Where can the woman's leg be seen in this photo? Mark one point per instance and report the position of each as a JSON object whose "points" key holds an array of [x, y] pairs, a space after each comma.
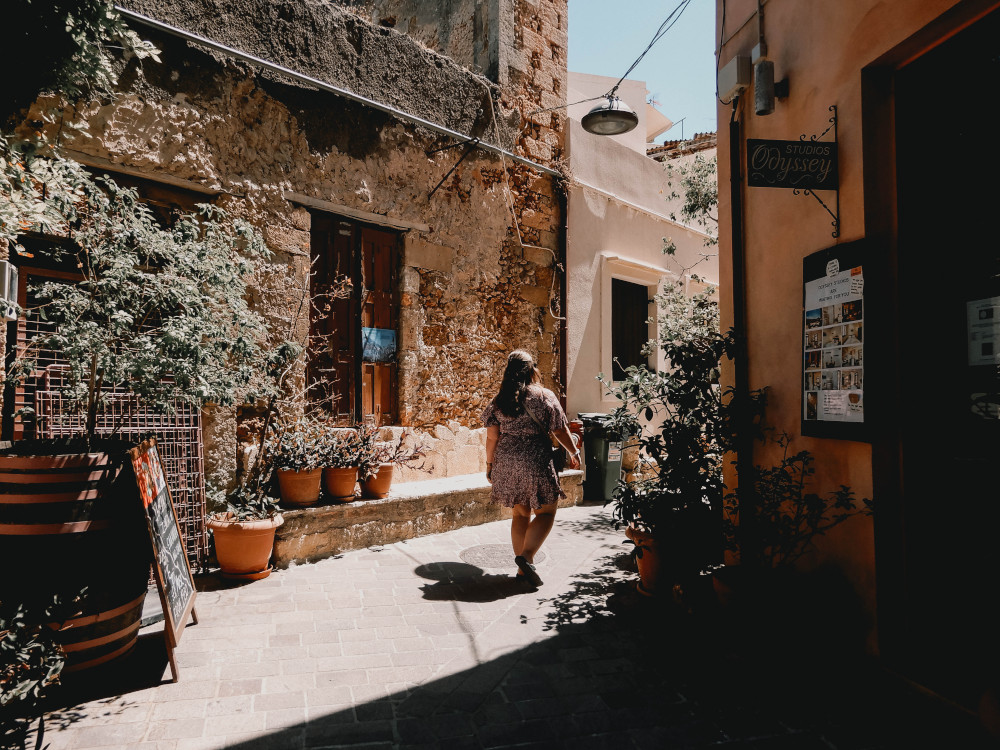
{"points": [[538, 529], [518, 527]]}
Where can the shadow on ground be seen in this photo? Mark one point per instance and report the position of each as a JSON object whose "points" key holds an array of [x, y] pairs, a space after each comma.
{"points": [[461, 582], [620, 670]]}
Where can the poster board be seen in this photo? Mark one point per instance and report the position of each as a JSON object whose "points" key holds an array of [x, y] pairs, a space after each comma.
{"points": [[170, 564], [833, 343]]}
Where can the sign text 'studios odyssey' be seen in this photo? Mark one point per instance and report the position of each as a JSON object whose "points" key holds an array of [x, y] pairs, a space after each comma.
{"points": [[806, 165]]}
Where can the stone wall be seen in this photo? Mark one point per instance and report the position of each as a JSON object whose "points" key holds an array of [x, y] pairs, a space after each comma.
{"points": [[311, 534], [480, 273]]}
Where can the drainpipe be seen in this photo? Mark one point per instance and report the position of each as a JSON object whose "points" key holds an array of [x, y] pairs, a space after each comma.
{"points": [[563, 294], [744, 423]]}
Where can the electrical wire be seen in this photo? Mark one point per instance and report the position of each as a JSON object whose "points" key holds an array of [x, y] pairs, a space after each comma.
{"points": [[509, 200], [718, 54], [668, 23]]}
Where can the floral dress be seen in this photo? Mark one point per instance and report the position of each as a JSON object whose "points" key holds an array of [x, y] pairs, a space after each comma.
{"points": [[523, 472]]}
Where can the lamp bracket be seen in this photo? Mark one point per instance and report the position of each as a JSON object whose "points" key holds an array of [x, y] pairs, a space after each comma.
{"points": [[469, 146], [834, 214]]}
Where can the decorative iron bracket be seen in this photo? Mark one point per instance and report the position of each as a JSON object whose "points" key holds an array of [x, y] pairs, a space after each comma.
{"points": [[835, 214]]}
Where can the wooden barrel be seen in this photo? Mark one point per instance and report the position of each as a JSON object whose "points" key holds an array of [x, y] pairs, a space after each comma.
{"points": [[108, 630], [55, 494], [69, 529]]}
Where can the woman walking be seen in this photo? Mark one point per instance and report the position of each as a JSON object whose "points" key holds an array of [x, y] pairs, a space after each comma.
{"points": [[519, 421]]}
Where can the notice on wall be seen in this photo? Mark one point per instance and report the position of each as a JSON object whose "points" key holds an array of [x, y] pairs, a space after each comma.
{"points": [[833, 350], [984, 331]]}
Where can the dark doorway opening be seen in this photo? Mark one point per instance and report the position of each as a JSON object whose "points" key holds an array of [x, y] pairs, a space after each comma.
{"points": [[948, 286]]}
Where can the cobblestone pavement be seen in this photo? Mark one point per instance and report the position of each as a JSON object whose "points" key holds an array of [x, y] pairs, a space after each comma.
{"points": [[430, 643]]}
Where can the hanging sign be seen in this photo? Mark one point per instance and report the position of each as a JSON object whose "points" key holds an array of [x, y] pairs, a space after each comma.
{"points": [[170, 564], [801, 165], [833, 336]]}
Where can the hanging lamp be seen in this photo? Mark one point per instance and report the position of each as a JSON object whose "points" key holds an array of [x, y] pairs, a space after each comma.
{"points": [[611, 117]]}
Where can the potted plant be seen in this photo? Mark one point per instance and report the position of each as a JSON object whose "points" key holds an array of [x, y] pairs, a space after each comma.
{"points": [[297, 451], [244, 533], [786, 519], [683, 425], [377, 469], [156, 315], [31, 661], [344, 450]]}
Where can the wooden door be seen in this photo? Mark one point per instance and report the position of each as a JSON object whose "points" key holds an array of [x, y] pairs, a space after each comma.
{"points": [[379, 318], [352, 349], [332, 340]]}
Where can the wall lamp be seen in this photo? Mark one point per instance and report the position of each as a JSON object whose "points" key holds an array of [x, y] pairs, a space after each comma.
{"points": [[611, 117]]}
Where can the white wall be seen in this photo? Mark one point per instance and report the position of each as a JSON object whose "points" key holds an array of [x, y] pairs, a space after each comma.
{"points": [[618, 215]]}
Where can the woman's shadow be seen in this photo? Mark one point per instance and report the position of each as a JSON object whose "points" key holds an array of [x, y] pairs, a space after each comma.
{"points": [[461, 582]]}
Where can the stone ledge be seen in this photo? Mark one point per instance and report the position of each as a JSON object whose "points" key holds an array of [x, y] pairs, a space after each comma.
{"points": [[412, 509]]}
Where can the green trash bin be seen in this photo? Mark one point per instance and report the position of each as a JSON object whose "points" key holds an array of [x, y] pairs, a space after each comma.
{"points": [[602, 457]]}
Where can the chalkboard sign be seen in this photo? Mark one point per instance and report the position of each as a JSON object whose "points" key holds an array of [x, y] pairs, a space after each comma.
{"points": [[802, 165], [173, 575]]}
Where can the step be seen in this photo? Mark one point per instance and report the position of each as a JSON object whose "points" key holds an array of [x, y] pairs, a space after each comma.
{"points": [[412, 509]]}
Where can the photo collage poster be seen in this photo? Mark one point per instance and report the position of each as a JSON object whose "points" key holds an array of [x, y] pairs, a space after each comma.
{"points": [[833, 346]]}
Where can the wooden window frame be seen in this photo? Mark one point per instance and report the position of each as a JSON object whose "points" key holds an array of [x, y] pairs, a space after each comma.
{"points": [[364, 377]]}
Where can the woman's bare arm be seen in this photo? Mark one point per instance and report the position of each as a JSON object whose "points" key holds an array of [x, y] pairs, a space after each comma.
{"points": [[492, 436], [565, 438]]}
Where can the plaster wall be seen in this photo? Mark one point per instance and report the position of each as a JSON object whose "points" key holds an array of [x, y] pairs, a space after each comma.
{"points": [[821, 48], [469, 291], [466, 31], [633, 93], [618, 218]]}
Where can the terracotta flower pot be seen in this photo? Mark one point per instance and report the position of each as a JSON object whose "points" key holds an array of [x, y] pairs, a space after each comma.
{"points": [[648, 560], [299, 487], [243, 548], [378, 485], [339, 483]]}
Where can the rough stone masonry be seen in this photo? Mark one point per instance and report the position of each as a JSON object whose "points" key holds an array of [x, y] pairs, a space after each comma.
{"points": [[481, 264]]}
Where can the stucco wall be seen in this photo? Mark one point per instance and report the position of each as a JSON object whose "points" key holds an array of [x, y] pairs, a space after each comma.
{"points": [[466, 31], [469, 292], [618, 207], [821, 48]]}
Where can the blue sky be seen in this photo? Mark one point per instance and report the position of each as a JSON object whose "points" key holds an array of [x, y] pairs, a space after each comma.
{"points": [[606, 37]]}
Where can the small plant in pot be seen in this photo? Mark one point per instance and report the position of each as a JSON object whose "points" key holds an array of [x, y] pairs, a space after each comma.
{"points": [[297, 450], [766, 581], [379, 464], [244, 533], [344, 450]]}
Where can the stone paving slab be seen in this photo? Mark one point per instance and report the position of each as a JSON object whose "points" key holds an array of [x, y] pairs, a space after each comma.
{"points": [[409, 646]]}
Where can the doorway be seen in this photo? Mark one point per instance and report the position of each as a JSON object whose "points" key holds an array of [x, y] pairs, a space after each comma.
{"points": [[947, 315]]}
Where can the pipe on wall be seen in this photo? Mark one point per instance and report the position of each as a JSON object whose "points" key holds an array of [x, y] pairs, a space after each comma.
{"points": [[741, 366]]}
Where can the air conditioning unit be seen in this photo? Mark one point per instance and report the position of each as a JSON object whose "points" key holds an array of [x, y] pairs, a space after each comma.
{"points": [[8, 290], [734, 76]]}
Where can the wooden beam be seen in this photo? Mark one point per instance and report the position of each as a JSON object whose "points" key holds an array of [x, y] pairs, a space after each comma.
{"points": [[99, 162], [353, 213]]}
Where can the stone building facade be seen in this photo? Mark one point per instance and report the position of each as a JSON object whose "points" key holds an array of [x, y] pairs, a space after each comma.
{"points": [[477, 264]]}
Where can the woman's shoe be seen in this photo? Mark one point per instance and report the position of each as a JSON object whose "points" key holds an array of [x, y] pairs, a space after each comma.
{"points": [[528, 570]]}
